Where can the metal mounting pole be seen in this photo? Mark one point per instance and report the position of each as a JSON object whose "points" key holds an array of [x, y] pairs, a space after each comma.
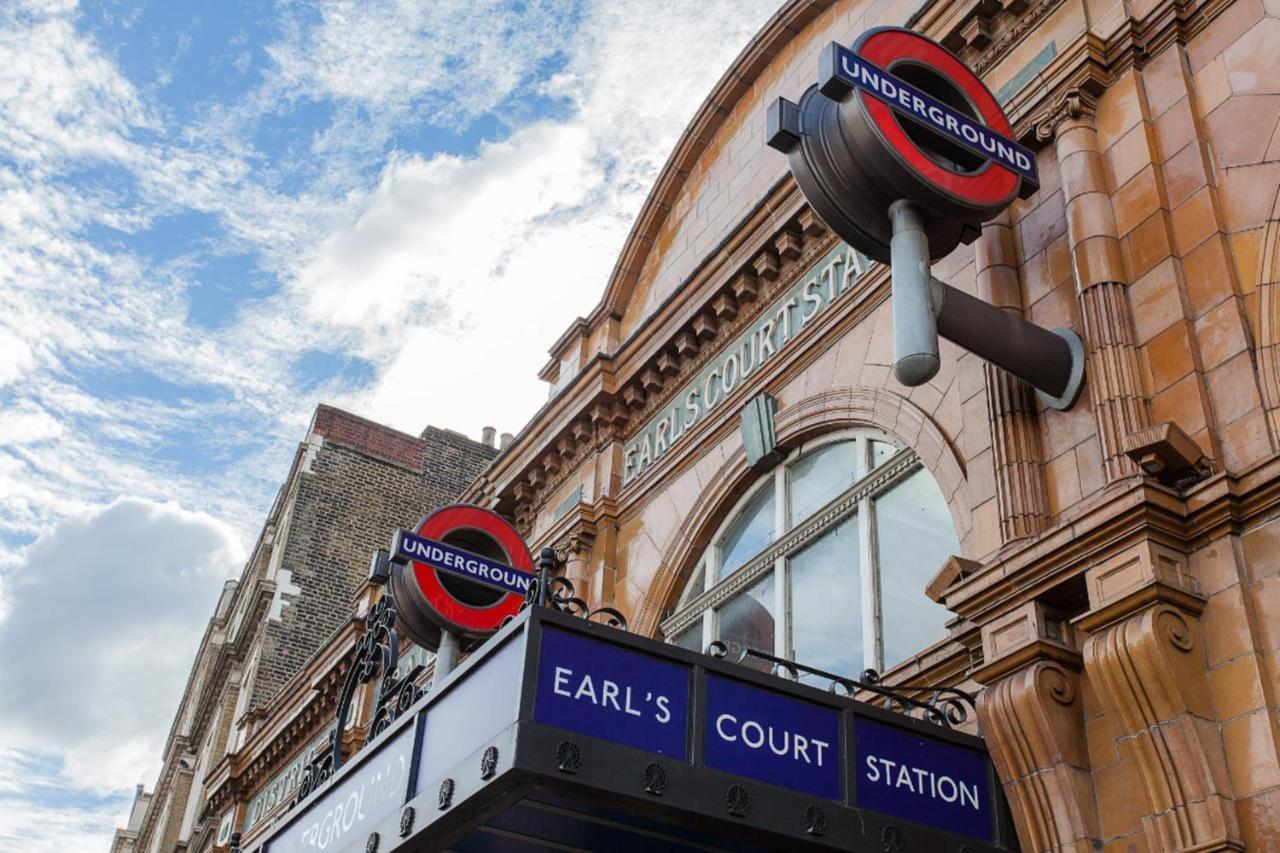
{"points": [[915, 334], [446, 655], [546, 562]]}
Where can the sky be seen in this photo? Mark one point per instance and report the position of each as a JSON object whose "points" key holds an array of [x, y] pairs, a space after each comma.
{"points": [[214, 216]]}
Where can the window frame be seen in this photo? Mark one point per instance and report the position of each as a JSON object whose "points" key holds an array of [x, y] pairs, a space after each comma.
{"points": [[857, 499]]}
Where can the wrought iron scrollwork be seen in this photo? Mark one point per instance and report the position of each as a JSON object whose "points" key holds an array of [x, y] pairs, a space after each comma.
{"points": [[398, 696], [558, 593], [315, 774], [945, 706], [377, 653]]}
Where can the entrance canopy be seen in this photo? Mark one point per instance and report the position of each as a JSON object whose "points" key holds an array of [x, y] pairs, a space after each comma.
{"points": [[561, 734]]}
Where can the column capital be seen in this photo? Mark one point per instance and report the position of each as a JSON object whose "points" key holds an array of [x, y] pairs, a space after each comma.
{"points": [[1074, 108]]}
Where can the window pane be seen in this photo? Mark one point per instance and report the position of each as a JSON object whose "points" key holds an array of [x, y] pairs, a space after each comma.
{"points": [[881, 452], [747, 622], [690, 638], [750, 533], [693, 588], [915, 536], [826, 602], [820, 476]]}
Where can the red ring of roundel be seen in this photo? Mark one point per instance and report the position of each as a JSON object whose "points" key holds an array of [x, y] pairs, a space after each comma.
{"points": [[991, 186], [459, 517]]}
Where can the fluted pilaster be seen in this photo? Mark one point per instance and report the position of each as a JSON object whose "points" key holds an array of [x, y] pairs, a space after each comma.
{"points": [[1115, 387], [1015, 433]]}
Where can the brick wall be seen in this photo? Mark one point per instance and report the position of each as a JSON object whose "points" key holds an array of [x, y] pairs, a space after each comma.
{"points": [[366, 481]]}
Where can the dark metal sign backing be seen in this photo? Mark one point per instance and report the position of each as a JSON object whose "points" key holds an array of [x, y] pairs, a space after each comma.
{"points": [[560, 733]]}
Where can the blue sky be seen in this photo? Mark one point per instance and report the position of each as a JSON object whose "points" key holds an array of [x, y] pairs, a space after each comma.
{"points": [[214, 216]]}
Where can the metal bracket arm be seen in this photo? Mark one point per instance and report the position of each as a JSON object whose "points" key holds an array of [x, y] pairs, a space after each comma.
{"points": [[1051, 361]]}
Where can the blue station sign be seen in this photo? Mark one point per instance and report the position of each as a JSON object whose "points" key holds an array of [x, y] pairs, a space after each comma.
{"points": [[842, 64], [904, 774], [772, 737], [566, 734], [605, 691]]}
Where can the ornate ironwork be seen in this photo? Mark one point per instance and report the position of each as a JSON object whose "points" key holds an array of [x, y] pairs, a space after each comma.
{"points": [[558, 593], [315, 774], [371, 846], [737, 800], [655, 779], [396, 698], [891, 840], [568, 757], [945, 706], [377, 653]]}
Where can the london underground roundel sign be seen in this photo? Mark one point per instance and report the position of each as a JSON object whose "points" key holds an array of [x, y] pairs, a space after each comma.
{"points": [[466, 570], [898, 116]]}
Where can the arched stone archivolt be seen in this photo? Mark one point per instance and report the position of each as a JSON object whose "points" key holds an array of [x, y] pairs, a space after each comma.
{"points": [[1269, 322], [796, 423]]}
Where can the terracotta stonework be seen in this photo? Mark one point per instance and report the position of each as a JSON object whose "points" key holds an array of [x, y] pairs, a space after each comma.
{"points": [[1115, 593]]}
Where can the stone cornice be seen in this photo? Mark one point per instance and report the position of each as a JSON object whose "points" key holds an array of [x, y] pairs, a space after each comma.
{"points": [[1225, 503], [614, 393]]}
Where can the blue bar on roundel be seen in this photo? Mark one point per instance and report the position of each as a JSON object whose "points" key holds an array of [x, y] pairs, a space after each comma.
{"points": [[464, 564], [923, 108]]}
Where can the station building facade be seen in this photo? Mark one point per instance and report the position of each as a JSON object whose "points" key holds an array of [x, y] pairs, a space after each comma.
{"points": [[725, 454]]}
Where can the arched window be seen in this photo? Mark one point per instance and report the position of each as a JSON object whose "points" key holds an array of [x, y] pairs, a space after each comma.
{"points": [[825, 560]]}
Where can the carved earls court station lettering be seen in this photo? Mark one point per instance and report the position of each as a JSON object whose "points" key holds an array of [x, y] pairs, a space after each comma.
{"points": [[777, 326]]}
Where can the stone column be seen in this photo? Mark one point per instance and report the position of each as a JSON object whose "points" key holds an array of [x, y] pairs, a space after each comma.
{"points": [[1011, 408], [1033, 720], [1115, 387]]}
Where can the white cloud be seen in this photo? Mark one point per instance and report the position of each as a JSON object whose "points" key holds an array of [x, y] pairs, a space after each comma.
{"points": [[464, 57], [41, 812], [489, 259], [450, 274], [28, 425], [129, 589]]}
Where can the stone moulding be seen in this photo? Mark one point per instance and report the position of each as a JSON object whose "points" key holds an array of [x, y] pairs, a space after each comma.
{"points": [[1269, 323]]}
